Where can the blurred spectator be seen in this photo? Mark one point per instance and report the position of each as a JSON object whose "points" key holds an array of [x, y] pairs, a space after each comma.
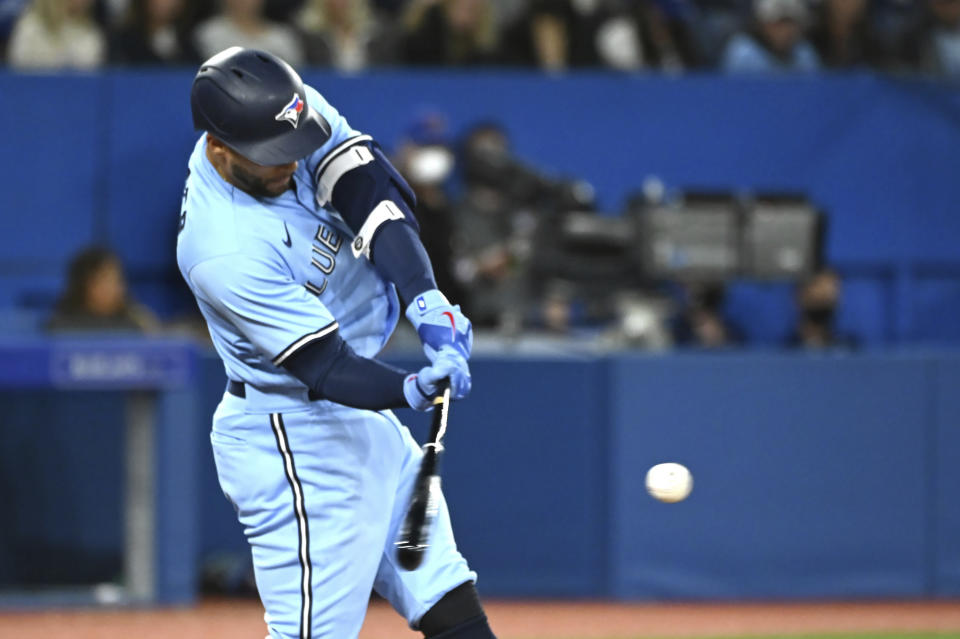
{"points": [[425, 158], [111, 13], [933, 45], [556, 310], [390, 8], [560, 34], [449, 33], [242, 23], [492, 232], [554, 35], [511, 238], [345, 35], [817, 300], [10, 10], [56, 34], [507, 11], [283, 10], [669, 40], [96, 299], [844, 37], [702, 322], [640, 35], [154, 32], [891, 20], [713, 23], [775, 42]]}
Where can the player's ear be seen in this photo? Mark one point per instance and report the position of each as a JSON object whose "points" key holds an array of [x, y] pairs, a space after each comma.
{"points": [[216, 147]]}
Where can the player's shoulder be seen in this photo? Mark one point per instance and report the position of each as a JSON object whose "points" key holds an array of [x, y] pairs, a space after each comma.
{"points": [[238, 232], [340, 129], [207, 216], [242, 256], [218, 219]]}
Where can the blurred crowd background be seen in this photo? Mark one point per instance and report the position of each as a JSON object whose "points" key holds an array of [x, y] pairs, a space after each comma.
{"points": [[625, 35], [519, 247]]}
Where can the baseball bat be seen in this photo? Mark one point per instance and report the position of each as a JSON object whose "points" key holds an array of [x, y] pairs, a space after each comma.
{"points": [[414, 538]]}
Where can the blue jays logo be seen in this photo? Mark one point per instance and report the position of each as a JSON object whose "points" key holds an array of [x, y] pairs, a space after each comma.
{"points": [[291, 112]]}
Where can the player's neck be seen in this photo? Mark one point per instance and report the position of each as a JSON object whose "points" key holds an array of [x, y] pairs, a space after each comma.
{"points": [[218, 164]]}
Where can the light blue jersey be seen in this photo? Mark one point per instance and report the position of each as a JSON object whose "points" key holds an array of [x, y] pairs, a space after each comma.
{"points": [[744, 54], [269, 272], [320, 488]]}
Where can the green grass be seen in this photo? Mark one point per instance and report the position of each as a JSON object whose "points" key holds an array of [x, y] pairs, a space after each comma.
{"points": [[874, 635]]}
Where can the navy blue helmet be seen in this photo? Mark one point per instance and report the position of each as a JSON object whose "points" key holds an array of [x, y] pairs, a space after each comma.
{"points": [[255, 103]]}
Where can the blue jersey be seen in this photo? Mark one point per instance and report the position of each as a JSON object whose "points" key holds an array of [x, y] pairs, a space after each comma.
{"points": [[320, 487], [270, 274]]}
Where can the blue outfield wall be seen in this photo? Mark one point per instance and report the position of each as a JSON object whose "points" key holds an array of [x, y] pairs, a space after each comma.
{"points": [[944, 492], [810, 476], [816, 476], [102, 157]]}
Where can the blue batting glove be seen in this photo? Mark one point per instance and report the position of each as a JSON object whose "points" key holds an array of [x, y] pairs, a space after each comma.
{"points": [[420, 388], [439, 324]]}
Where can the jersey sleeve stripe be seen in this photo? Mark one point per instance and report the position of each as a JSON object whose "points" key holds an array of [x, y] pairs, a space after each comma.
{"points": [[380, 215], [337, 150], [303, 341], [351, 158]]}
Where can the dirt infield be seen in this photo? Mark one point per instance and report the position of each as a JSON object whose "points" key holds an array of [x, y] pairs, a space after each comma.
{"points": [[511, 620]]}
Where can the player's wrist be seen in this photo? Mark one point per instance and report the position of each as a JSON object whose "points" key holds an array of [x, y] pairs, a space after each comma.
{"points": [[416, 397], [424, 303], [440, 324]]}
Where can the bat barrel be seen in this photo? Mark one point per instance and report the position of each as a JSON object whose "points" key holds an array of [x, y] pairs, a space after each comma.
{"points": [[412, 544]]}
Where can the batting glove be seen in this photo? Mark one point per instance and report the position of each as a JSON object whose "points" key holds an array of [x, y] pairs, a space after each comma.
{"points": [[420, 388], [439, 324]]}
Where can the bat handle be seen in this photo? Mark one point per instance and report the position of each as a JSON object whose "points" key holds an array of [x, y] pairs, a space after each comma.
{"points": [[443, 398], [425, 502]]}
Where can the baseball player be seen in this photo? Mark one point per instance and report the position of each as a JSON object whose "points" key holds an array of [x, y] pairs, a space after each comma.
{"points": [[299, 241]]}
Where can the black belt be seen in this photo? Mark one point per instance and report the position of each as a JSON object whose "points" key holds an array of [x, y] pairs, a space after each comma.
{"points": [[239, 389]]}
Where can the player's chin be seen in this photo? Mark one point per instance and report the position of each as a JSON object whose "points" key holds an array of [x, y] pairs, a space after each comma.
{"points": [[269, 188], [278, 187]]}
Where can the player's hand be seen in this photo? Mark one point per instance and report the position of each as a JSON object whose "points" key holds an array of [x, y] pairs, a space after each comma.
{"points": [[439, 324], [420, 388]]}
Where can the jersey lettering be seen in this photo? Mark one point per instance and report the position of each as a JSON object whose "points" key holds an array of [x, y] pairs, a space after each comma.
{"points": [[327, 243], [321, 257], [316, 290], [183, 203], [329, 238]]}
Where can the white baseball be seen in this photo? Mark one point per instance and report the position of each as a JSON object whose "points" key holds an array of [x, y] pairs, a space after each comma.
{"points": [[669, 482]]}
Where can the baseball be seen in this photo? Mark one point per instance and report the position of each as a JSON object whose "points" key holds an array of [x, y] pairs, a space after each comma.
{"points": [[669, 482]]}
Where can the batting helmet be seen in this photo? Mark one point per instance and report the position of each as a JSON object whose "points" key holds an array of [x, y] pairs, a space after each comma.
{"points": [[255, 103]]}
